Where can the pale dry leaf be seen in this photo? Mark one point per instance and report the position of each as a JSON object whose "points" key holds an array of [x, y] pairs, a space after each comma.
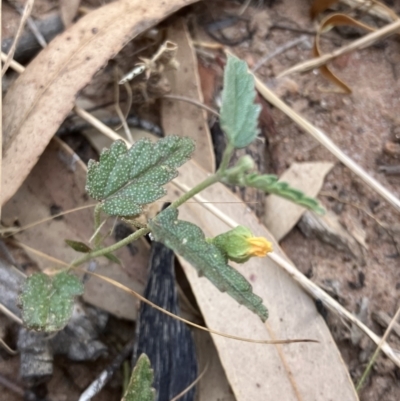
{"points": [[329, 230], [44, 94], [182, 118], [57, 183], [302, 371], [214, 385], [282, 215], [68, 9]]}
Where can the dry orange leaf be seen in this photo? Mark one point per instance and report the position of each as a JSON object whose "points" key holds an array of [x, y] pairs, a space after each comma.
{"points": [[325, 25], [45, 93]]}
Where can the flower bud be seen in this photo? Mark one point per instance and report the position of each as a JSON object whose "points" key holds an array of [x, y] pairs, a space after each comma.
{"points": [[239, 244]]}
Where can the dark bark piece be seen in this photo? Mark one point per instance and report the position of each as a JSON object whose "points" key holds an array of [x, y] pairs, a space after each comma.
{"points": [[166, 341]]}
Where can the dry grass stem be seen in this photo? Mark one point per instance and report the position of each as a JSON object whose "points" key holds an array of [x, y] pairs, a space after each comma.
{"points": [[10, 314], [96, 123], [192, 101], [199, 377], [13, 64], [376, 353], [279, 50], [7, 348], [25, 16], [321, 137], [365, 41]]}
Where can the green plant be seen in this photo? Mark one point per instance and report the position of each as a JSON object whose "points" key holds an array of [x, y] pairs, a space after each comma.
{"points": [[126, 179]]}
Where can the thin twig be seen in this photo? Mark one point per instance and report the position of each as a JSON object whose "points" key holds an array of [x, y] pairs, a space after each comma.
{"points": [[244, 7], [365, 41], [303, 281], [199, 377], [376, 353], [98, 384], [10, 314], [321, 137], [117, 106], [279, 50], [31, 25], [13, 64], [192, 101], [25, 15], [104, 129], [5, 382]]}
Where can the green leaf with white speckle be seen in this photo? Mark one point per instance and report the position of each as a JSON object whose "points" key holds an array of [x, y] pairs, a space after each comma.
{"points": [[271, 184], [239, 113], [124, 180], [139, 388], [48, 301], [187, 240]]}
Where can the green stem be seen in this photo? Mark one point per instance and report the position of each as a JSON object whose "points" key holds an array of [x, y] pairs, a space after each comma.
{"points": [[212, 179], [97, 222], [226, 158], [103, 251]]}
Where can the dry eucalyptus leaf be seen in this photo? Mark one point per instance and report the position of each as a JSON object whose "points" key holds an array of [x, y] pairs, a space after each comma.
{"points": [[282, 215], [56, 184], [302, 371], [44, 94], [185, 81]]}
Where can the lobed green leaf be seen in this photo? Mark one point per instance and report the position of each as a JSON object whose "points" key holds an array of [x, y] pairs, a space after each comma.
{"points": [[139, 388], [47, 301], [124, 180], [239, 113], [187, 240], [269, 183]]}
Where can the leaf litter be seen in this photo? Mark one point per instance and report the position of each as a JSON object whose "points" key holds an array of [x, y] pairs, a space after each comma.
{"points": [[191, 173]]}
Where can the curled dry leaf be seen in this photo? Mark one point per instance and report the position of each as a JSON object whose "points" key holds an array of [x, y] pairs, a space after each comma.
{"points": [[329, 22], [57, 184], [44, 94]]}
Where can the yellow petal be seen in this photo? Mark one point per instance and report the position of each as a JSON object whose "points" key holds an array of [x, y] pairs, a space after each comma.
{"points": [[259, 246]]}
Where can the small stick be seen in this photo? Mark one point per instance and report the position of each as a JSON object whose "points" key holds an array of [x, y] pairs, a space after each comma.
{"points": [[97, 385], [278, 51], [107, 131], [25, 16], [365, 41]]}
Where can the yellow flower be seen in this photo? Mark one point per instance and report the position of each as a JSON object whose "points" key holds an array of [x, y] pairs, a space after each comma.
{"points": [[259, 246], [240, 245]]}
